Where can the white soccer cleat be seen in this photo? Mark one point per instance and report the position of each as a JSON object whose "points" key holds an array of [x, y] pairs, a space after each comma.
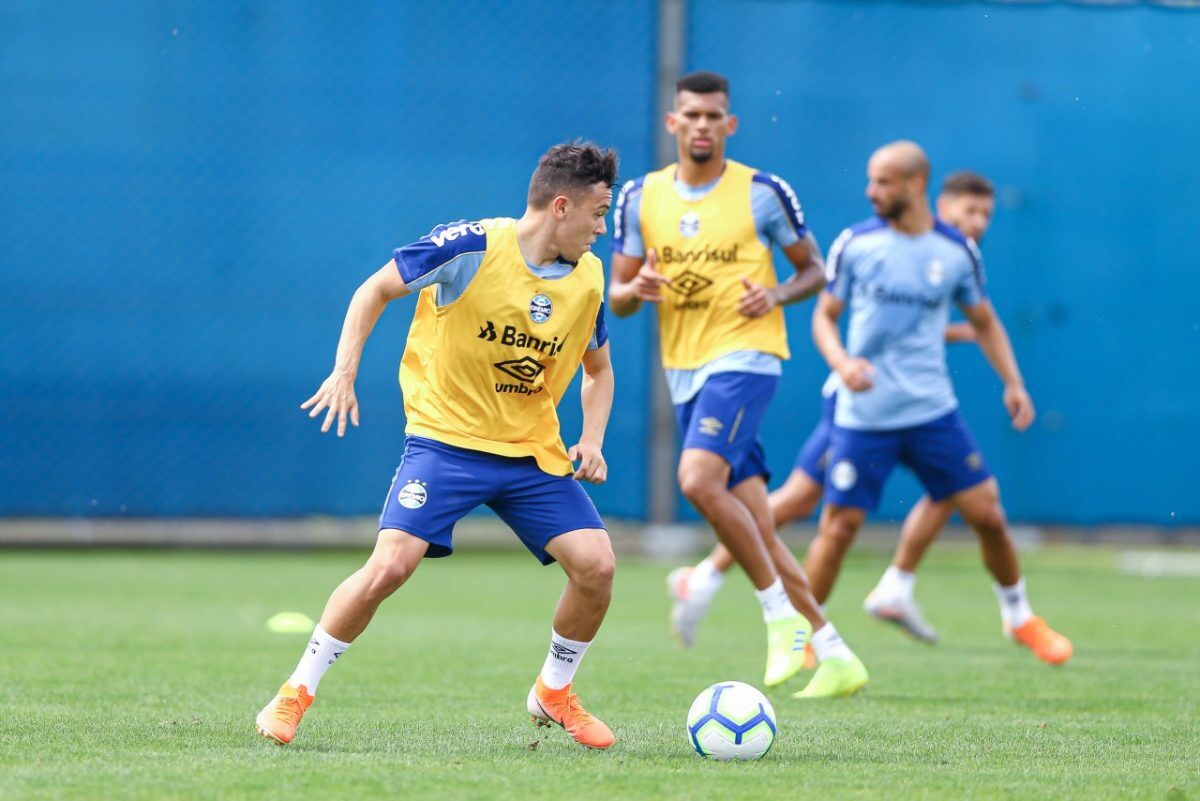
{"points": [[685, 615], [902, 612]]}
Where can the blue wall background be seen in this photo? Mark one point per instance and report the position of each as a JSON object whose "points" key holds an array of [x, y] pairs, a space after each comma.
{"points": [[192, 192]]}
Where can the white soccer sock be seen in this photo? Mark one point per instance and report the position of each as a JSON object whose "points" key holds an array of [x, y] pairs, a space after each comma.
{"points": [[703, 583], [775, 603], [562, 661], [828, 644], [896, 583], [323, 650], [1014, 605]]}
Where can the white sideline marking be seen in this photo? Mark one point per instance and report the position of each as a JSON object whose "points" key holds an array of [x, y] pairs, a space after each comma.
{"points": [[1159, 564]]}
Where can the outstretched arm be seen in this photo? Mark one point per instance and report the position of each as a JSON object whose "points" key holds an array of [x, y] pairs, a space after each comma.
{"points": [[993, 341], [808, 280], [596, 396], [337, 391]]}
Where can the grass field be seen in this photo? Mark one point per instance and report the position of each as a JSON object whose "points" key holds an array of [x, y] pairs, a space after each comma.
{"points": [[138, 674]]}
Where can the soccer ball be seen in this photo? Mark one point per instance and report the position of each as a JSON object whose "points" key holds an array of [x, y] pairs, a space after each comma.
{"points": [[731, 720]]}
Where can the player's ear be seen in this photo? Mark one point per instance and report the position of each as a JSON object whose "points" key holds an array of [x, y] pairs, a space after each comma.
{"points": [[559, 206], [670, 122], [732, 124]]}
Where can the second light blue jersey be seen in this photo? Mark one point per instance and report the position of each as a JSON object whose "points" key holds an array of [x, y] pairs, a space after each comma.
{"points": [[898, 290]]}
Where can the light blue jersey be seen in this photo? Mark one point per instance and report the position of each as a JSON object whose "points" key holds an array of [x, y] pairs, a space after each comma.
{"points": [[777, 220], [899, 289]]}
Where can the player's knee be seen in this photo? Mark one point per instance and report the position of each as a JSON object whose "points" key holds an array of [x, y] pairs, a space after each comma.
{"points": [[989, 520], [840, 528], [387, 576], [698, 487], [595, 575]]}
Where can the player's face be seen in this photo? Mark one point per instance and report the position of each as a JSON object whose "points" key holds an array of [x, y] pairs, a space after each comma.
{"points": [[971, 214], [888, 188], [701, 123], [581, 220]]}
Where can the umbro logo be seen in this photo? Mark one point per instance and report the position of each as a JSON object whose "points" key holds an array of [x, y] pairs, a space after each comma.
{"points": [[689, 283], [562, 653], [710, 426], [523, 369]]}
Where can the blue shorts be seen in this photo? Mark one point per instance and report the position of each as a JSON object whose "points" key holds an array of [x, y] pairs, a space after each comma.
{"points": [[814, 454], [436, 485], [942, 453], [724, 416]]}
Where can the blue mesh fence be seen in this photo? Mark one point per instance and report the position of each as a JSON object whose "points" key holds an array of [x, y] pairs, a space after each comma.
{"points": [[192, 191]]}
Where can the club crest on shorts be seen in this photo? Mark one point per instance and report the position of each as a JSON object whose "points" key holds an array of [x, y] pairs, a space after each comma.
{"points": [[935, 272], [843, 476], [689, 224], [412, 495], [540, 308]]}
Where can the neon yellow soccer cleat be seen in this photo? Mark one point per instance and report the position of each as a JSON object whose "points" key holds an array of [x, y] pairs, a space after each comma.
{"points": [[786, 639], [836, 678]]}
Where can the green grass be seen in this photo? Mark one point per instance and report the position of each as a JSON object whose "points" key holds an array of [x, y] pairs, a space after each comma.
{"points": [[137, 675]]}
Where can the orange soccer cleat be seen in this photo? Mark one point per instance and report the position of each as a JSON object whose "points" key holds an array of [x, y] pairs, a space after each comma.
{"points": [[279, 719], [548, 706], [810, 656], [1046, 643]]}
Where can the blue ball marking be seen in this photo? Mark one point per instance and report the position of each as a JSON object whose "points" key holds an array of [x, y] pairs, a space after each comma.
{"points": [[739, 730]]}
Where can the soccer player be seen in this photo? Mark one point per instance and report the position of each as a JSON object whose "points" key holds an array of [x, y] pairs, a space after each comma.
{"points": [[899, 272], [507, 311], [694, 239], [967, 201]]}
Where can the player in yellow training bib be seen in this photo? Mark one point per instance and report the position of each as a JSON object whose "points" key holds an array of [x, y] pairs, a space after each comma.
{"points": [[695, 240], [507, 311]]}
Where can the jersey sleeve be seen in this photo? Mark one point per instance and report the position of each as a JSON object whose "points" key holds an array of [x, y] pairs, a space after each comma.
{"points": [[449, 255], [971, 289], [838, 267], [627, 221], [777, 213], [600, 331]]}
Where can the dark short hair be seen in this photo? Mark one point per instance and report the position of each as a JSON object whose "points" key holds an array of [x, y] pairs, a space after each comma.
{"points": [[965, 182], [703, 83], [571, 168]]}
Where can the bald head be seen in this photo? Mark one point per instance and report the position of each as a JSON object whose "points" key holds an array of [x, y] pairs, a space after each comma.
{"points": [[897, 180], [905, 157]]}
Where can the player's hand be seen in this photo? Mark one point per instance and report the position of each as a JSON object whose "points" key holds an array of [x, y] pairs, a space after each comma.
{"points": [[337, 395], [1020, 407], [648, 282], [592, 467], [856, 374], [756, 300]]}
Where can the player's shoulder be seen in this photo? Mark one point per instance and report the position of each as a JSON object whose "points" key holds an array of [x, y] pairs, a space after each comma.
{"points": [[958, 240], [771, 181], [593, 268], [662, 178], [861, 231], [868, 226], [631, 192], [460, 236]]}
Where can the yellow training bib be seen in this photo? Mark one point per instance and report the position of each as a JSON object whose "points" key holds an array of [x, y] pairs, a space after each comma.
{"points": [[486, 372], [706, 247]]}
